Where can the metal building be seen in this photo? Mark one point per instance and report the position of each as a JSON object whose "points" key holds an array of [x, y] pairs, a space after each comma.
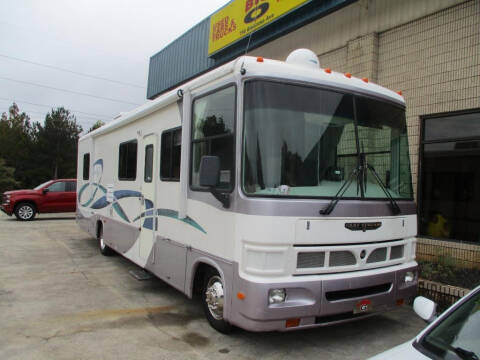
{"points": [[430, 50]]}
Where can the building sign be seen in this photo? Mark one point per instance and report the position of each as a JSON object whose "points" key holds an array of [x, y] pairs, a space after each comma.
{"points": [[241, 17]]}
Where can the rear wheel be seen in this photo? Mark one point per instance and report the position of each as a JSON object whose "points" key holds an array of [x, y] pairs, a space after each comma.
{"points": [[104, 248], [213, 298], [25, 211]]}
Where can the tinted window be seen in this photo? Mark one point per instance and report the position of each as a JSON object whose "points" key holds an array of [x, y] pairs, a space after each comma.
{"points": [[448, 127], [170, 156], [57, 187], [71, 186], [148, 163], [127, 161], [86, 166], [213, 134], [450, 177]]}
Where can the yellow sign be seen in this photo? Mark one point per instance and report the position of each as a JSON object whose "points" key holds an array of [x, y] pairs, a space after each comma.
{"points": [[241, 17]]}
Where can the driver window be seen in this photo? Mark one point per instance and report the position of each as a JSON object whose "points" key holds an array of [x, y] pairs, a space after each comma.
{"points": [[57, 187]]}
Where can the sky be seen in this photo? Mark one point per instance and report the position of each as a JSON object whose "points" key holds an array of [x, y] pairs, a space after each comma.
{"points": [[102, 47]]}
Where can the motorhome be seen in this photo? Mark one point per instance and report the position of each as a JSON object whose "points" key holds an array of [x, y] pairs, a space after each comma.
{"points": [[278, 191]]}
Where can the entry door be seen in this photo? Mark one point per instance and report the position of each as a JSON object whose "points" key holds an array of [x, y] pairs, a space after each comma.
{"points": [[150, 175]]}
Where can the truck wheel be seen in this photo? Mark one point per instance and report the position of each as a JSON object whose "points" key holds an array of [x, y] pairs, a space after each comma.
{"points": [[213, 301], [104, 248], [25, 211]]}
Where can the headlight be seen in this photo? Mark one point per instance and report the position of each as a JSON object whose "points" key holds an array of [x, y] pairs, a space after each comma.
{"points": [[409, 276], [6, 199], [276, 296]]}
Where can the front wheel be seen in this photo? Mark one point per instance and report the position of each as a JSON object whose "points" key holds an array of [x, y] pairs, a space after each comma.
{"points": [[25, 212], [213, 298], [104, 249]]}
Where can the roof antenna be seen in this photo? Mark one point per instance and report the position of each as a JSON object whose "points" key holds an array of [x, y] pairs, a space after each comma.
{"points": [[243, 71]]}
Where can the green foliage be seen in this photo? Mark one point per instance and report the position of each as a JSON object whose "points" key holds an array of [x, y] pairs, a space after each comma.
{"points": [[17, 137], [38, 152], [444, 270], [95, 126], [7, 180], [57, 141]]}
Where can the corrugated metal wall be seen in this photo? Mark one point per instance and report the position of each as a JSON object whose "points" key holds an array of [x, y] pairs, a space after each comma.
{"points": [[187, 56]]}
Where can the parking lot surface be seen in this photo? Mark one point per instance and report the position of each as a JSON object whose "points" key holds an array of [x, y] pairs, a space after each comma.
{"points": [[61, 299]]}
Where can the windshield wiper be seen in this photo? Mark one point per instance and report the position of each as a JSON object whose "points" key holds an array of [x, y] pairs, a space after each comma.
{"points": [[355, 173], [360, 173], [393, 204], [464, 354]]}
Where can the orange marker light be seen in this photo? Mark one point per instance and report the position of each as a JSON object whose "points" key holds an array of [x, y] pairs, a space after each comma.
{"points": [[292, 323], [399, 92], [328, 70], [259, 59], [400, 302], [365, 80], [241, 295], [348, 75]]}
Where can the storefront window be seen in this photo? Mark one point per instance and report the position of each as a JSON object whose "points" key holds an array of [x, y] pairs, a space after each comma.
{"points": [[450, 177]]}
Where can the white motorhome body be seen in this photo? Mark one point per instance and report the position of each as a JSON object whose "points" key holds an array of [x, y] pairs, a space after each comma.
{"points": [[257, 244]]}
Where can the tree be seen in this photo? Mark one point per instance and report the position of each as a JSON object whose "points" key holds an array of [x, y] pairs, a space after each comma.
{"points": [[57, 141], [17, 137], [7, 180], [95, 126]]}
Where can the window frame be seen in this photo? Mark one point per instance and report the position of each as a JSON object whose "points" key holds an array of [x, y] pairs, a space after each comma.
{"points": [[172, 131], [136, 161], [148, 146], [234, 137], [355, 94], [421, 160], [87, 177]]}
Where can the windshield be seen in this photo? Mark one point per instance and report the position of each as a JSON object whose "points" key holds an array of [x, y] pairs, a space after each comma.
{"points": [[42, 185], [458, 335], [305, 142]]}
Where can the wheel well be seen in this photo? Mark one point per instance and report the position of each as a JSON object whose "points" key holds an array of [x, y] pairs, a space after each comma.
{"points": [[198, 280], [99, 228], [25, 202]]}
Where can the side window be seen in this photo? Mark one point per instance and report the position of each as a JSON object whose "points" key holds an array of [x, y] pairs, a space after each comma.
{"points": [[127, 161], [170, 155], [147, 177], [86, 166], [71, 186], [59, 186], [213, 134]]}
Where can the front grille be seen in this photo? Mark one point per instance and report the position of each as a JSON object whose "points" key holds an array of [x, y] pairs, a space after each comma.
{"points": [[377, 255], [341, 258], [396, 252], [310, 260], [360, 292]]}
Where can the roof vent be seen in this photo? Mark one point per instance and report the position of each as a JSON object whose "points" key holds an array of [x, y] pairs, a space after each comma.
{"points": [[303, 57]]}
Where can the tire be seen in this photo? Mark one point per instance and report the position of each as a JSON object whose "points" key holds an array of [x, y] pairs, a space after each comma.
{"points": [[105, 250], [25, 211], [213, 300]]}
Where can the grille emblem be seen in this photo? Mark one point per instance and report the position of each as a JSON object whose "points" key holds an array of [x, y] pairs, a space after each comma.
{"points": [[363, 226]]}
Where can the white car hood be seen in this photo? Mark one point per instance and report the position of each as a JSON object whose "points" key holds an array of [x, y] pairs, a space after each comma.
{"points": [[401, 352]]}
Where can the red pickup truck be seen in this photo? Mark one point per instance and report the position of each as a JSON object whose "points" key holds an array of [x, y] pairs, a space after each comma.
{"points": [[51, 197]]}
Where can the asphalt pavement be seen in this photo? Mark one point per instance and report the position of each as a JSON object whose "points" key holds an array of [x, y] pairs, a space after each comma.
{"points": [[61, 299]]}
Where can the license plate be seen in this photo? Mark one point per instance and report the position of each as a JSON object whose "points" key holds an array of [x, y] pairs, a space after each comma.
{"points": [[363, 306]]}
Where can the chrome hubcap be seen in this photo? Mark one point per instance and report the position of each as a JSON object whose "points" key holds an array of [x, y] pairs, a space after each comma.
{"points": [[25, 212], [214, 297]]}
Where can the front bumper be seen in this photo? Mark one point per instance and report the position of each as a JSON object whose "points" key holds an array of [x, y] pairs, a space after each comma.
{"points": [[322, 299], [6, 209]]}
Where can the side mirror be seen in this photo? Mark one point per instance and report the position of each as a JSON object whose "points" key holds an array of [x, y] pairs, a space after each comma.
{"points": [[45, 190], [209, 171], [425, 308], [210, 177]]}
